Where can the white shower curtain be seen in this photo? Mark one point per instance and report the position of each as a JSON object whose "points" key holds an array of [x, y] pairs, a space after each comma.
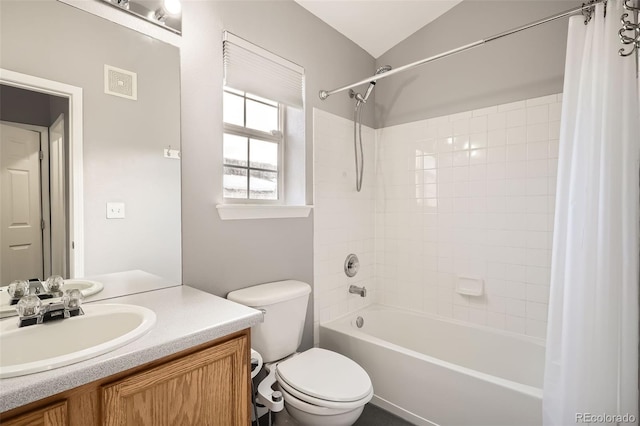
{"points": [[592, 337]]}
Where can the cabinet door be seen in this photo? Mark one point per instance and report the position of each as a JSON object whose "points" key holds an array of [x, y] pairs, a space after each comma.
{"points": [[207, 388], [52, 415]]}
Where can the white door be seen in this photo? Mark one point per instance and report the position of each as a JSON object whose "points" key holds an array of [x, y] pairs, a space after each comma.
{"points": [[57, 185], [20, 210]]}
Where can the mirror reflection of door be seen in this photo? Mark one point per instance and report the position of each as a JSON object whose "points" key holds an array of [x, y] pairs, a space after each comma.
{"points": [[33, 204]]}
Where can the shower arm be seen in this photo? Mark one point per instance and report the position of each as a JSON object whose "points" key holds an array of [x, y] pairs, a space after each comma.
{"points": [[324, 94]]}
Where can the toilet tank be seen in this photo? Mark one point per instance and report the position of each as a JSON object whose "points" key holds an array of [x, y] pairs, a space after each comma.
{"points": [[284, 304]]}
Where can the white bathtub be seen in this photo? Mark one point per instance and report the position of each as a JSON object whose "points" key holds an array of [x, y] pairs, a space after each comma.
{"points": [[434, 371]]}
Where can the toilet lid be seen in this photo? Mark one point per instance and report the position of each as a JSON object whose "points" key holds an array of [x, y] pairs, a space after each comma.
{"points": [[325, 375]]}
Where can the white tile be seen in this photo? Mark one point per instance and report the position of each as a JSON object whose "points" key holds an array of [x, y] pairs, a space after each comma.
{"points": [[478, 316], [516, 118], [537, 293], [537, 186], [538, 132], [511, 106], [478, 124], [478, 156], [478, 140], [445, 129], [460, 173], [445, 159], [477, 188], [515, 307], [537, 168], [516, 169], [458, 116], [497, 137], [461, 142], [516, 135], [461, 189], [537, 150], [537, 275], [517, 152], [497, 120], [554, 130], [444, 175], [496, 154], [515, 324], [485, 111], [555, 111], [496, 188], [444, 144], [496, 171], [537, 114], [554, 147], [477, 171], [460, 158], [496, 320], [536, 328], [461, 127], [537, 311]]}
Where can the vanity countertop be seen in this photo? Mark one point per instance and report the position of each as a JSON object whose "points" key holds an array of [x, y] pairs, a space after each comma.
{"points": [[185, 317]]}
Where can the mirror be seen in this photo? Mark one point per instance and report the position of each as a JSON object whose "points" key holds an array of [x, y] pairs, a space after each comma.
{"points": [[127, 164]]}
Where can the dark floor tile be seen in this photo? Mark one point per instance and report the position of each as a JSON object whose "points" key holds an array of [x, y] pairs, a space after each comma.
{"points": [[376, 416]]}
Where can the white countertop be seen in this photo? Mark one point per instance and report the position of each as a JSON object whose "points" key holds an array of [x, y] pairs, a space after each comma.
{"points": [[186, 317]]}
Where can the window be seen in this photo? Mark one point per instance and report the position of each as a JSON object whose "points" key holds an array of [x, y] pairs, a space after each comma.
{"points": [[253, 147], [259, 87]]}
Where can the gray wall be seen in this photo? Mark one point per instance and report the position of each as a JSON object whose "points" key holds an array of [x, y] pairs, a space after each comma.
{"points": [[220, 256], [123, 139], [525, 65], [23, 106]]}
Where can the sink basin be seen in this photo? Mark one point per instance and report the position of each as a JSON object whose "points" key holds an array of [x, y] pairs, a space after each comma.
{"points": [[86, 287], [103, 328]]}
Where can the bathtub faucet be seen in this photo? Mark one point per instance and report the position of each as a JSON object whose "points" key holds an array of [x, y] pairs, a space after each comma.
{"points": [[354, 289]]}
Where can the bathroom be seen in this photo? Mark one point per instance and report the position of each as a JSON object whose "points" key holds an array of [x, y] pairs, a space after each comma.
{"points": [[459, 178]]}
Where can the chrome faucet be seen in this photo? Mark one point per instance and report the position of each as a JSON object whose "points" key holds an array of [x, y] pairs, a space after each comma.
{"points": [[354, 289], [32, 311]]}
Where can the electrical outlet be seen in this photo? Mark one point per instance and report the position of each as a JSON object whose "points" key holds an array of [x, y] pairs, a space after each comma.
{"points": [[115, 210]]}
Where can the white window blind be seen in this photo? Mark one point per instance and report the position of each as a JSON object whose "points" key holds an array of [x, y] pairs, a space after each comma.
{"points": [[255, 70]]}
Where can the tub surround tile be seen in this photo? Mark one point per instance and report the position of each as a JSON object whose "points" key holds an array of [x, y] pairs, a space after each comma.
{"points": [[492, 195]]}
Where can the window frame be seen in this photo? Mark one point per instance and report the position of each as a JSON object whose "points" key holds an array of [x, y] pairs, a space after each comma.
{"points": [[275, 136]]}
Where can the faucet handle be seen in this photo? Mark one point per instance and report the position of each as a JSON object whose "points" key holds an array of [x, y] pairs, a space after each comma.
{"points": [[54, 284], [18, 289], [29, 306], [72, 300]]}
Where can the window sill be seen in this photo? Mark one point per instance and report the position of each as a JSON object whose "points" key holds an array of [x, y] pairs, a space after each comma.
{"points": [[257, 211]]}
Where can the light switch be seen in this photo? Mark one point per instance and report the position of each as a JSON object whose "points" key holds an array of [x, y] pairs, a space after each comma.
{"points": [[115, 210]]}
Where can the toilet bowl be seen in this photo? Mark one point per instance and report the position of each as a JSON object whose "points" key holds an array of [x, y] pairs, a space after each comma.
{"points": [[321, 387], [317, 386]]}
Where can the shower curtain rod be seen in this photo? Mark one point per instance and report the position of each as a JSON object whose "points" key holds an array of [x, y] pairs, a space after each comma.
{"points": [[324, 94]]}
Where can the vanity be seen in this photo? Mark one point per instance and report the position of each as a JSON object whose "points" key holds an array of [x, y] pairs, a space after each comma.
{"points": [[192, 367]]}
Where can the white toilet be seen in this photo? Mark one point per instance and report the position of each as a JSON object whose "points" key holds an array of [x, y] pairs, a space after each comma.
{"points": [[320, 387]]}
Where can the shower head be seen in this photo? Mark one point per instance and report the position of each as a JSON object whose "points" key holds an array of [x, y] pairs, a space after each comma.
{"points": [[380, 70]]}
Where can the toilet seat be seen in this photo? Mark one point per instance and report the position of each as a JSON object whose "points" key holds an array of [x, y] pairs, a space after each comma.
{"points": [[325, 379], [317, 410], [319, 405]]}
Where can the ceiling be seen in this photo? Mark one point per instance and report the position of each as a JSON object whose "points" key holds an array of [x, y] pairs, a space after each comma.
{"points": [[377, 25]]}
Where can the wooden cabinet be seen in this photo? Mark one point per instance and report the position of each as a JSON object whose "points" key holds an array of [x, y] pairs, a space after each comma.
{"points": [[207, 385], [52, 415]]}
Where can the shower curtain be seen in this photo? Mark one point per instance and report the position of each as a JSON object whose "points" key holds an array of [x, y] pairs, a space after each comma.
{"points": [[591, 372]]}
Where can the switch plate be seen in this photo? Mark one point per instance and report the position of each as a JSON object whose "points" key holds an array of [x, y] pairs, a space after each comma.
{"points": [[115, 210], [172, 153]]}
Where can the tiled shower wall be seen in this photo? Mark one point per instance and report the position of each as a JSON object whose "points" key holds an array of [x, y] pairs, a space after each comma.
{"points": [[470, 194], [344, 220]]}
